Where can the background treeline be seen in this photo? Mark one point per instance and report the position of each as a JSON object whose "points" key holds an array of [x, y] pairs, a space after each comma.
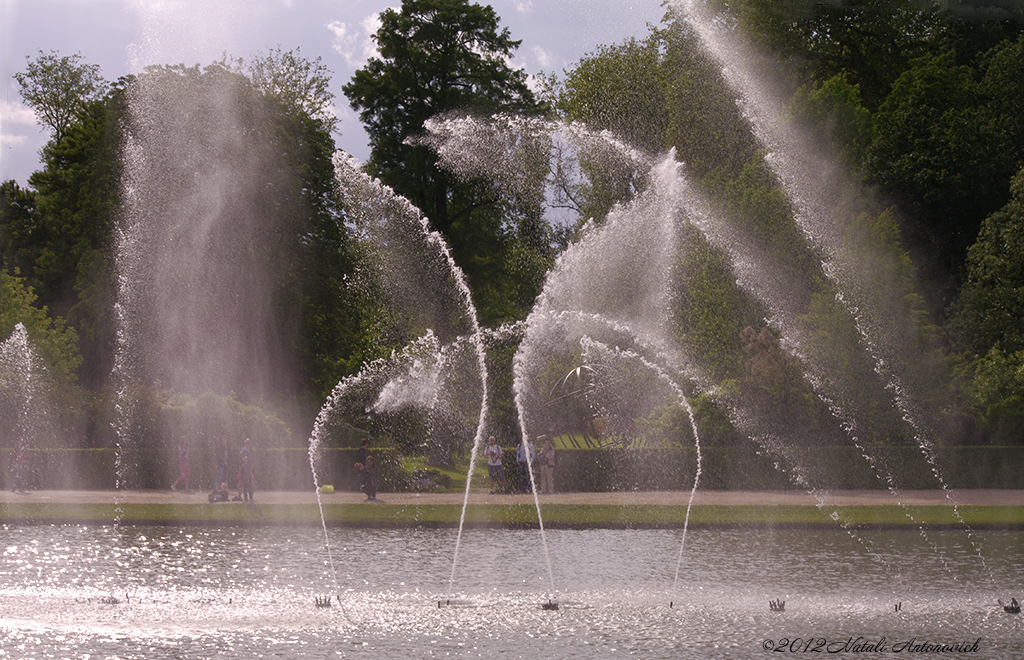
{"points": [[922, 102]]}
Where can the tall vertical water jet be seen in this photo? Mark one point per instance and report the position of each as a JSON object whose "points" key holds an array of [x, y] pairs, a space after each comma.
{"points": [[205, 308], [24, 410]]}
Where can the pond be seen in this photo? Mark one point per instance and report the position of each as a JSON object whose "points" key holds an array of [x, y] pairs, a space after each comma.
{"points": [[175, 592]]}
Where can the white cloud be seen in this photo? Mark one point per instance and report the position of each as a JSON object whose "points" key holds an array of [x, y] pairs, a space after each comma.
{"points": [[545, 58], [13, 112], [13, 140], [355, 43], [524, 6], [20, 140]]}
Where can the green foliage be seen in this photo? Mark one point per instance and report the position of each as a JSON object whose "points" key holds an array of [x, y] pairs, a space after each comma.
{"points": [[869, 41], [705, 125], [992, 387], [212, 417], [69, 257], [435, 56], [937, 156], [924, 100], [620, 88], [711, 308], [55, 401], [18, 226], [58, 88], [989, 312], [835, 107], [51, 337], [300, 85]]}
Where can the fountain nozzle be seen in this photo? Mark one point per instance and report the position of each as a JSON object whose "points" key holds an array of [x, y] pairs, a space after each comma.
{"points": [[777, 605], [550, 605], [323, 601]]}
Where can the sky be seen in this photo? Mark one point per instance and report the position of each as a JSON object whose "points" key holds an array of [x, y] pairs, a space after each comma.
{"points": [[124, 36]]}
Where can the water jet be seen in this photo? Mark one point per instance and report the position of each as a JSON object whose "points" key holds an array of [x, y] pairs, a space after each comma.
{"points": [[607, 311]]}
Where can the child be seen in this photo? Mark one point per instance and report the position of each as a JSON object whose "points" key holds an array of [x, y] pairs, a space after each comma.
{"points": [[220, 493]]}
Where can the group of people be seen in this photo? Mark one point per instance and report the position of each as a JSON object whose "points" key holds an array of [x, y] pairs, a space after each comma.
{"points": [[246, 482], [526, 457], [366, 469]]}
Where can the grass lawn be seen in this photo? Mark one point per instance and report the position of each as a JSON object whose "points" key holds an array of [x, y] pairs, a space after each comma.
{"points": [[457, 473]]}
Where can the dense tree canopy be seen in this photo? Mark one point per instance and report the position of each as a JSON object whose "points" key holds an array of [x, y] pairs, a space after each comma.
{"points": [[923, 102], [437, 57]]}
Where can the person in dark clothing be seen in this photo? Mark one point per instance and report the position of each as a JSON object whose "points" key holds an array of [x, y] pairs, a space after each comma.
{"points": [[361, 456], [369, 473]]}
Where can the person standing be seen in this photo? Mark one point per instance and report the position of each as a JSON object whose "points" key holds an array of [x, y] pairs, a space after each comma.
{"points": [[369, 470], [495, 471], [245, 478], [526, 454], [184, 466], [547, 467], [361, 456]]}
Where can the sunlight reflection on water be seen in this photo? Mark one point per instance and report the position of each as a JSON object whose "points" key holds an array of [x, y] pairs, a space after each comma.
{"points": [[177, 592]]}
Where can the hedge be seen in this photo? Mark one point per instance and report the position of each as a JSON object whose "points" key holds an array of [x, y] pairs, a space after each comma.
{"points": [[828, 468], [590, 470], [273, 469]]}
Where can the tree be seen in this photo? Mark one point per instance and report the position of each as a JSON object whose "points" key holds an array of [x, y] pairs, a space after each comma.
{"points": [[868, 40], [18, 224], [55, 404], [934, 153], [58, 88], [68, 259], [439, 56], [992, 390], [989, 311], [299, 84], [54, 341], [614, 87]]}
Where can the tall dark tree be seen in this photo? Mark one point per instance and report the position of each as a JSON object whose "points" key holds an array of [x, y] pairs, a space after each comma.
{"points": [[989, 312], [440, 56]]}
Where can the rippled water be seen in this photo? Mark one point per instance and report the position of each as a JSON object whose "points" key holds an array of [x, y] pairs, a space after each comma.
{"points": [[136, 592]]}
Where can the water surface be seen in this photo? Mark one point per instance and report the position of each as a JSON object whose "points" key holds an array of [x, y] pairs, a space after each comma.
{"points": [[168, 592]]}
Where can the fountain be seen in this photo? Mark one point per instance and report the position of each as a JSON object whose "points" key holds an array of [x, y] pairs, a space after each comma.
{"points": [[24, 410], [610, 309]]}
